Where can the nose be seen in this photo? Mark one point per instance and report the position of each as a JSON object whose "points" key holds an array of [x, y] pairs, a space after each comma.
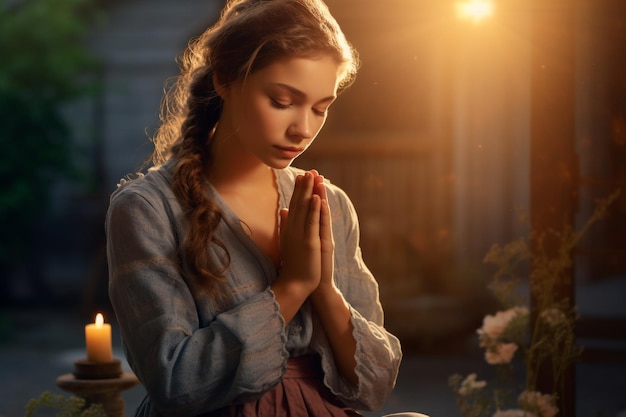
{"points": [[301, 126]]}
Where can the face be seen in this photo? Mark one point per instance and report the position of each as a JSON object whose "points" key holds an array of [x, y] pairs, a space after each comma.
{"points": [[275, 115]]}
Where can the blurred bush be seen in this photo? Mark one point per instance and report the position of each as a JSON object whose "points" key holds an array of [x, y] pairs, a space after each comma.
{"points": [[44, 64]]}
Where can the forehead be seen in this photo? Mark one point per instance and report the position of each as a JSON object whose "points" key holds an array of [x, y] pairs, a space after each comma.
{"points": [[315, 77]]}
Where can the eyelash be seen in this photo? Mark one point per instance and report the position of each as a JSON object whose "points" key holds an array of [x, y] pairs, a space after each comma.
{"points": [[282, 106]]}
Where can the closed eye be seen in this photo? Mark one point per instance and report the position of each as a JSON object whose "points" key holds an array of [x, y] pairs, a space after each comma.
{"points": [[279, 105], [283, 106], [321, 113]]}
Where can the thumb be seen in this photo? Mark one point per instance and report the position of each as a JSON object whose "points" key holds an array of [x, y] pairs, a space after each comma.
{"points": [[284, 213]]}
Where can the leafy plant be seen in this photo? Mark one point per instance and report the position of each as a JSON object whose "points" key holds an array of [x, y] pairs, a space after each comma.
{"points": [[510, 337], [67, 406]]}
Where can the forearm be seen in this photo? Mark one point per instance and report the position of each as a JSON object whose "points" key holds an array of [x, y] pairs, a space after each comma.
{"points": [[335, 316], [244, 356]]}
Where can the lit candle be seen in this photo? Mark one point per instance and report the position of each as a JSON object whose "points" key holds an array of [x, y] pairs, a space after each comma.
{"points": [[98, 337]]}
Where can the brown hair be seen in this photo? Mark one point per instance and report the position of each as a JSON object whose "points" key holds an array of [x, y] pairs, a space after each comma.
{"points": [[249, 35]]}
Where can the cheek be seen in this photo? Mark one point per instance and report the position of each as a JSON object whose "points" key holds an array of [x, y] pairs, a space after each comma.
{"points": [[320, 124], [264, 117]]}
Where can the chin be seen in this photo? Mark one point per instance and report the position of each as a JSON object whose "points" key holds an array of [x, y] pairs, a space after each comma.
{"points": [[280, 164]]}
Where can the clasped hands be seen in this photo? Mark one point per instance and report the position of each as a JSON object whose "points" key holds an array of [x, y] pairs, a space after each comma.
{"points": [[307, 251], [306, 240]]}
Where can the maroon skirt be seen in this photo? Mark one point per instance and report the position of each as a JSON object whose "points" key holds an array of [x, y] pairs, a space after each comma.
{"points": [[301, 393]]}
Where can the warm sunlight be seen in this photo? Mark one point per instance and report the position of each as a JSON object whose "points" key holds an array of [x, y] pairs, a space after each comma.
{"points": [[476, 10]]}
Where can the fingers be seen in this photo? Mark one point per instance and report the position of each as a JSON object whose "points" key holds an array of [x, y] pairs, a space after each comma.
{"points": [[300, 241], [300, 203], [312, 228], [324, 223], [300, 224], [298, 191], [283, 213], [326, 231], [327, 246], [304, 215], [319, 188]]}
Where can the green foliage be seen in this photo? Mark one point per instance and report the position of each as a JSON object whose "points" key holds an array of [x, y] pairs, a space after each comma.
{"points": [[42, 47], [67, 406], [44, 65]]}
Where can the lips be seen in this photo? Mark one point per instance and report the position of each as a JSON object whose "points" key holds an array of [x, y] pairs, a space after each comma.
{"points": [[289, 151]]}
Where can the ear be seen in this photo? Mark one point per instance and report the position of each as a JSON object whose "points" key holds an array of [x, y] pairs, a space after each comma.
{"points": [[220, 88]]}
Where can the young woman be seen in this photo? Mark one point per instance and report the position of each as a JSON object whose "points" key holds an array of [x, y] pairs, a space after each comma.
{"points": [[237, 280]]}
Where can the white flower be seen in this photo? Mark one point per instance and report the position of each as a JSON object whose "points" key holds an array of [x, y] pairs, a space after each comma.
{"points": [[494, 325], [543, 403], [513, 413], [500, 353], [469, 385]]}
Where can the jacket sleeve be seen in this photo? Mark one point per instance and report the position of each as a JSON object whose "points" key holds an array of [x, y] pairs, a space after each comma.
{"points": [[187, 367], [378, 352]]}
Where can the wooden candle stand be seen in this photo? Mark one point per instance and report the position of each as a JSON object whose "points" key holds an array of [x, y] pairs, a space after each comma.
{"points": [[99, 383]]}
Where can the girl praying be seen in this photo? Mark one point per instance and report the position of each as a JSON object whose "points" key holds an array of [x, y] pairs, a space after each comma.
{"points": [[237, 280]]}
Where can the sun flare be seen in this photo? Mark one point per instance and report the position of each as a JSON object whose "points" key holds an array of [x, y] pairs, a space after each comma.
{"points": [[476, 10]]}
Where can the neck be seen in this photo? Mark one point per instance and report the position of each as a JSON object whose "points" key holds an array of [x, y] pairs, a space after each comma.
{"points": [[233, 167]]}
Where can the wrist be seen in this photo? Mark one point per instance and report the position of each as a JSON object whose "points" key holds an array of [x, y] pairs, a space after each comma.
{"points": [[290, 294], [325, 293]]}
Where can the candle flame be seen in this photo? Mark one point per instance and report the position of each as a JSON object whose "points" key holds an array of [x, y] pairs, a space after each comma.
{"points": [[99, 320], [474, 9]]}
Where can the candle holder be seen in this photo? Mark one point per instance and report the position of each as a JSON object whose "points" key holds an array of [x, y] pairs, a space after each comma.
{"points": [[99, 383]]}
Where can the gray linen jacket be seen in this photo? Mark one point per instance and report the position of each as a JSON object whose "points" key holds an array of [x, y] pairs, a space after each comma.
{"points": [[193, 357]]}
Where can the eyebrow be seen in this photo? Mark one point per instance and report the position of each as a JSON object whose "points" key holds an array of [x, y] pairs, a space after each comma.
{"points": [[301, 94]]}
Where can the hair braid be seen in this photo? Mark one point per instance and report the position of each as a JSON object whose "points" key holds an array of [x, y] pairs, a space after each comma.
{"points": [[190, 181]]}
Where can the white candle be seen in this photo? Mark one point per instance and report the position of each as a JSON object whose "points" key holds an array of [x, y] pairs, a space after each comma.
{"points": [[98, 338]]}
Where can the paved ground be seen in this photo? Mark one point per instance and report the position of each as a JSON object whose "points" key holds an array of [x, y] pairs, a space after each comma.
{"points": [[43, 344]]}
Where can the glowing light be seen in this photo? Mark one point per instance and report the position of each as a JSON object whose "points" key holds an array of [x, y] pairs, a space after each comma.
{"points": [[98, 338], [476, 10], [99, 320]]}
